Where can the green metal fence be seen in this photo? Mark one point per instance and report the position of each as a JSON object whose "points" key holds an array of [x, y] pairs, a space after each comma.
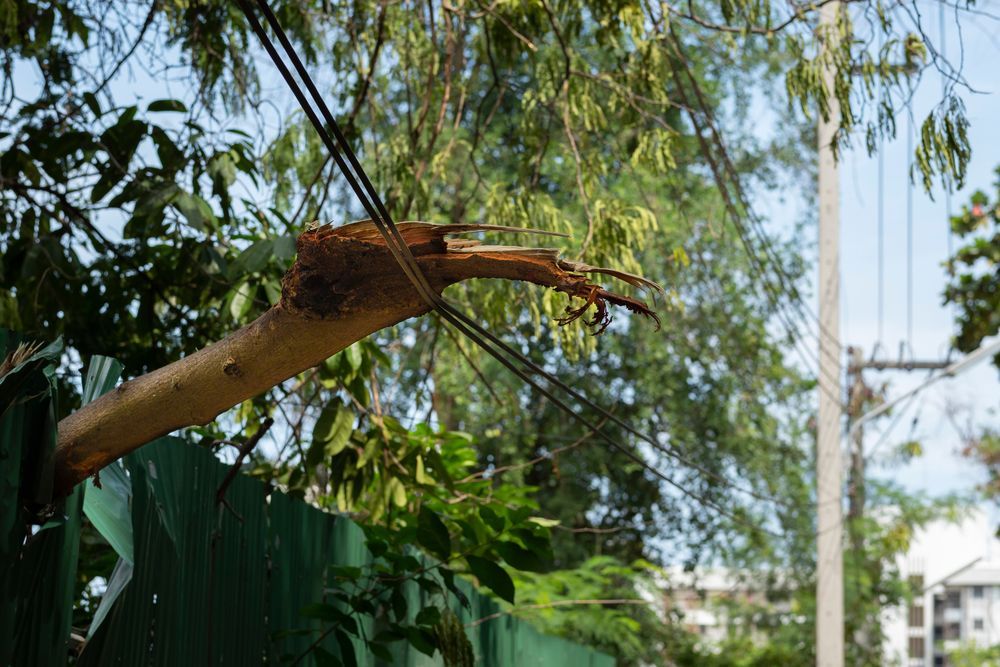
{"points": [[199, 583]]}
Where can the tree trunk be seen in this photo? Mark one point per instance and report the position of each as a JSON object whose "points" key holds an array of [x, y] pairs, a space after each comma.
{"points": [[344, 286]]}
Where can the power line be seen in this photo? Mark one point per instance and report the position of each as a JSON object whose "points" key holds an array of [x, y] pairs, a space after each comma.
{"points": [[786, 283], [757, 264], [909, 228], [944, 89], [951, 370], [374, 206], [881, 243]]}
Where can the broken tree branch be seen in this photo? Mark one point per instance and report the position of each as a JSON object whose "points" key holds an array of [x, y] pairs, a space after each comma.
{"points": [[343, 286]]}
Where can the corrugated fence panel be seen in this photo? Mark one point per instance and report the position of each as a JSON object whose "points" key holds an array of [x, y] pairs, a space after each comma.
{"points": [[212, 585], [37, 575], [198, 592], [299, 547]]}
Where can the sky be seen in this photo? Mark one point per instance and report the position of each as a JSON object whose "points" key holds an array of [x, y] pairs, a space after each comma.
{"points": [[977, 391]]}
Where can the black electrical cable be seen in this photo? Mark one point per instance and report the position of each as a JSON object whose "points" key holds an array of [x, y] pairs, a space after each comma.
{"points": [[787, 285], [380, 217], [771, 293], [433, 299]]}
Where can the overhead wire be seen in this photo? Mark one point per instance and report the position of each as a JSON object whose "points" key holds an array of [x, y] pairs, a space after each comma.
{"points": [[947, 181], [801, 312], [773, 294], [881, 225], [375, 208], [909, 229], [786, 282]]}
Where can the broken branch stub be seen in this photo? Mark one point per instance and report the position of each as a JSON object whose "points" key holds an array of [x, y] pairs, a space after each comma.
{"points": [[344, 285], [337, 267]]}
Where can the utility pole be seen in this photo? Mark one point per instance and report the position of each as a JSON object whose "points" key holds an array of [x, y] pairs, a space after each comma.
{"points": [[859, 399], [829, 545]]}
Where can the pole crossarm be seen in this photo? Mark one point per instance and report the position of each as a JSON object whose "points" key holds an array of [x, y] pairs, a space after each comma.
{"points": [[951, 370], [897, 366]]}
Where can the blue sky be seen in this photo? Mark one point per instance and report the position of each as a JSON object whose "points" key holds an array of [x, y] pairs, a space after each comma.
{"points": [[978, 390]]}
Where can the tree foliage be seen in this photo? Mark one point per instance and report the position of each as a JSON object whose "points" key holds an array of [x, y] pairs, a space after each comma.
{"points": [[144, 226], [974, 287]]}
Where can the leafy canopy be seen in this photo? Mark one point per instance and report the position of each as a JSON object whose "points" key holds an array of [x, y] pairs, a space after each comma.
{"points": [[145, 226]]}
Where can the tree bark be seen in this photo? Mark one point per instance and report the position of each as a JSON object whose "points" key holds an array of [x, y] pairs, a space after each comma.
{"points": [[343, 286]]}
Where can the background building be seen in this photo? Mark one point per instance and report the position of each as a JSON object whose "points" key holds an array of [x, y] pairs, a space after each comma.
{"points": [[708, 598], [956, 568]]}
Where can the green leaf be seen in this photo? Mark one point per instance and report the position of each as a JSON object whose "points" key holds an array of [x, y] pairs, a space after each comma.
{"points": [[102, 375], [428, 616], [346, 649], [91, 101], [109, 506], [397, 492], [195, 210], [109, 509], [379, 650], [171, 157], [326, 659], [521, 558], [334, 428], [166, 105], [353, 356], [398, 602], [284, 248], [252, 259], [120, 577], [448, 577], [421, 640], [432, 534], [222, 169], [345, 571], [492, 576], [492, 519], [421, 475], [330, 614], [242, 301], [103, 186], [542, 521]]}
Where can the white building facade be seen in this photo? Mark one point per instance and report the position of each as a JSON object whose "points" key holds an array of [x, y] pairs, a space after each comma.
{"points": [[956, 568]]}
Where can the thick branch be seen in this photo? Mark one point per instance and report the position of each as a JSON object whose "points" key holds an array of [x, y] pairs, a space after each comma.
{"points": [[344, 286]]}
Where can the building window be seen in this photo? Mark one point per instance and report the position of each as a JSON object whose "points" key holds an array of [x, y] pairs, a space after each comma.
{"points": [[977, 591], [916, 616], [916, 647], [954, 600], [977, 624]]}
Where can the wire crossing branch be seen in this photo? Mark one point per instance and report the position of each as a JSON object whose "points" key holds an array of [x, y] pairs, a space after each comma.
{"points": [[343, 286]]}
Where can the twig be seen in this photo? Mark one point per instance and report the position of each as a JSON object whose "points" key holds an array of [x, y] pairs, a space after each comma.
{"points": [[590, 529], [557, 603], [527, 464], [220, 494]]}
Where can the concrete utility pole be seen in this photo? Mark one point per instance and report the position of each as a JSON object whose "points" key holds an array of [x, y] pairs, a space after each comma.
{"points": [[829, 545]]}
